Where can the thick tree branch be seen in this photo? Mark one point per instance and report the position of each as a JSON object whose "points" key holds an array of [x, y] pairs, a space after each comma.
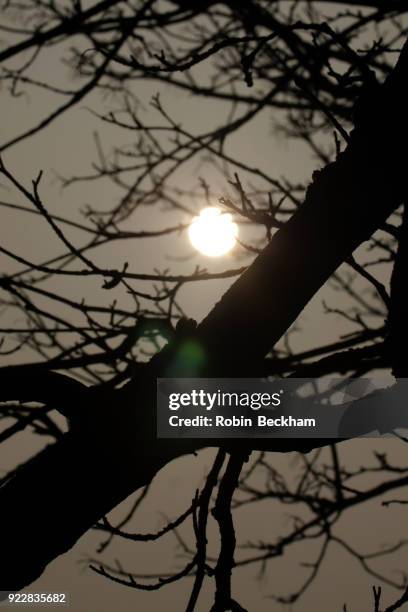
{"points": [[72, 484]]}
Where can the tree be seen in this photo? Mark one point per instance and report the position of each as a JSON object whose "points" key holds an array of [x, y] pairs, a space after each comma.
{"points": [[308, 68]]}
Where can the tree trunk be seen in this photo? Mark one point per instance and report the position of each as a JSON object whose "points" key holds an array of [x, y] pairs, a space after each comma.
{"points": [[51, 502]]}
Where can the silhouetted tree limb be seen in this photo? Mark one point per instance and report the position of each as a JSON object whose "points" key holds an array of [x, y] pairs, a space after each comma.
{"points": [[344, 206], [266, 56]]}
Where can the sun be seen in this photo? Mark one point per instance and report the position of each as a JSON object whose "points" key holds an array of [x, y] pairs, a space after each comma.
{"points": [[213, 233]]}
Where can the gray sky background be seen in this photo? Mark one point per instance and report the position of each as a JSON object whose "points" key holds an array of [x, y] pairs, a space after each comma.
{"points": [[67, 148]]}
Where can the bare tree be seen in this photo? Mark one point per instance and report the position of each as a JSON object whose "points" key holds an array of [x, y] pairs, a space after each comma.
{"points": [[329, 78]]}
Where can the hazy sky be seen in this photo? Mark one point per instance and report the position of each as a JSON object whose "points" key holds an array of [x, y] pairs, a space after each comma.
{"points": [[67, 148]]}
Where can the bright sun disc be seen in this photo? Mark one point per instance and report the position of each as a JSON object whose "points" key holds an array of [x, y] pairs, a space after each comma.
{"points": [[213, 233]]}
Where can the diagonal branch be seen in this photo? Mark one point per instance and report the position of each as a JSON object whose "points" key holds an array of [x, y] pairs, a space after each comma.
{"points": [[72, 484]]}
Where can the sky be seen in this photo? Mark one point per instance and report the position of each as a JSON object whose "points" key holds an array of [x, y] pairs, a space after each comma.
{"points": [[67, 148]]}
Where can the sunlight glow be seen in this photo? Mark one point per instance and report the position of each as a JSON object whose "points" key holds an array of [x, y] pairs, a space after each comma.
{"points": [[213, 232]]}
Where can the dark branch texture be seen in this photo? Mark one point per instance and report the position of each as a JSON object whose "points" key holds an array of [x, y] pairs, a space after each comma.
{"points": [[81, 372]]}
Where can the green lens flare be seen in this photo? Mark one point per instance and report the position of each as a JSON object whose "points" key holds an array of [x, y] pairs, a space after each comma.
{"points": [[188, 361]]}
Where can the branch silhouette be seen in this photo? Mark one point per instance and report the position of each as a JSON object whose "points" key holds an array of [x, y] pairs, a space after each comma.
{"points": [[346, 202], [98, 364]]}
